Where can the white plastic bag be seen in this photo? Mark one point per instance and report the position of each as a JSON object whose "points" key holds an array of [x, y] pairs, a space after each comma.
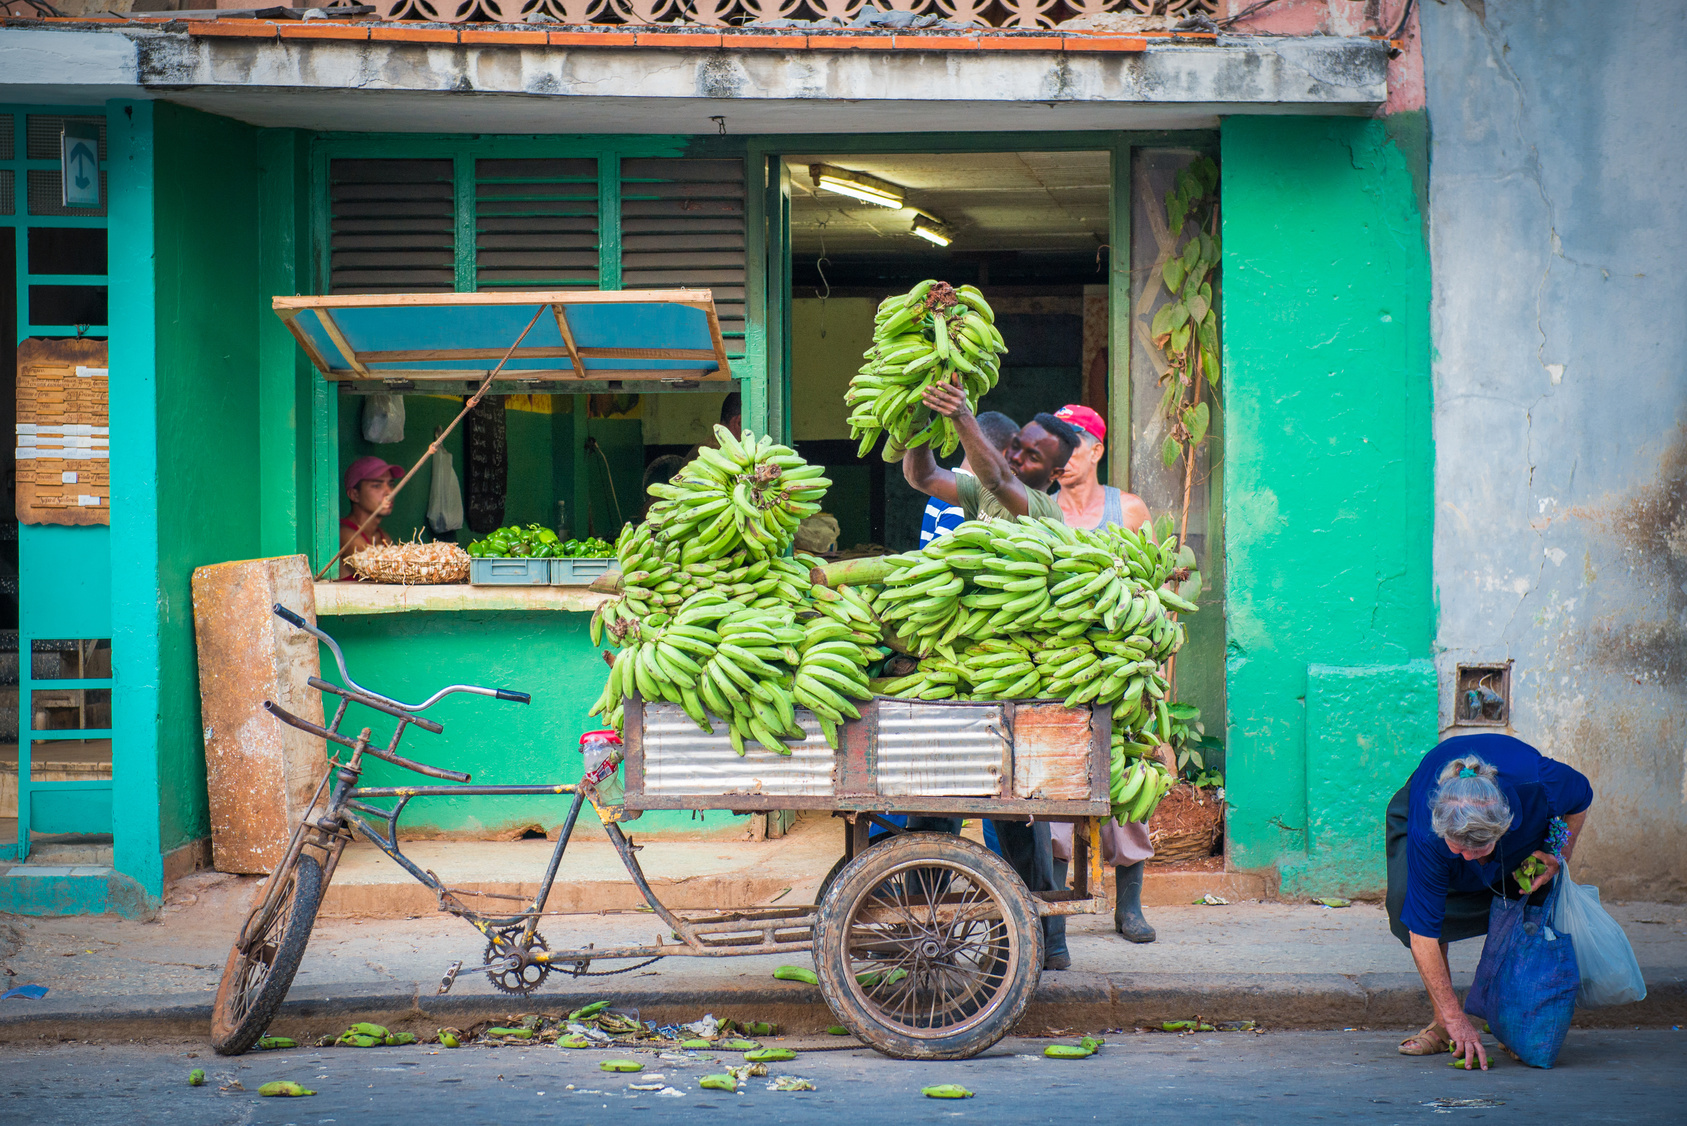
{"points": [[383, 418], [445, 495], [1610, 974]]}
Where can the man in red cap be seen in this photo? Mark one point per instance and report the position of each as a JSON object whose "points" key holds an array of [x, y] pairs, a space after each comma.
{"points": [[1084, 500], [369, 487], [1087, 503]]}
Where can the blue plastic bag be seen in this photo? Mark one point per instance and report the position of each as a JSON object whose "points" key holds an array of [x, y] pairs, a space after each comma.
{"points": [[1526, 983]]}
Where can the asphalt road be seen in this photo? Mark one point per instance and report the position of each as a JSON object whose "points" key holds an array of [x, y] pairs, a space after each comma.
{"points": [[1631, 1077]]}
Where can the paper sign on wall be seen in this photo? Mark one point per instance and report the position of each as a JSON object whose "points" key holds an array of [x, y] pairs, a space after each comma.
{"points": [[62, 449], [79, 163]]}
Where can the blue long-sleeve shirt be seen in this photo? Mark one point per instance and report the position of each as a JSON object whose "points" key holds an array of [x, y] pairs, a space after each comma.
{"points": [[1538, 789]]}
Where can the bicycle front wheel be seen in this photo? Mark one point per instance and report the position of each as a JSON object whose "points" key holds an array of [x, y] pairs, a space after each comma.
{"points": [[265, 957]]}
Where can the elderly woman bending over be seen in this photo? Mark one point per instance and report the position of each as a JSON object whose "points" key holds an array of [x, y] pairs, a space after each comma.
{"points": [[1474, 810]]}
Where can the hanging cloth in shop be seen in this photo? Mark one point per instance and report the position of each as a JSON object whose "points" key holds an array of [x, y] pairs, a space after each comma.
{"points": [[445, 497], [486, 465]]}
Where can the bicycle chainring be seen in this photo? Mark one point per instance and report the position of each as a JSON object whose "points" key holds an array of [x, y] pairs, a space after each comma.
{"points": [[513, 973]]}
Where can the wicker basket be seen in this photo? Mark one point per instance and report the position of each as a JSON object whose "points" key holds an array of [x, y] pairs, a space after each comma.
{"points": [[413, 564], [1186, 825]]}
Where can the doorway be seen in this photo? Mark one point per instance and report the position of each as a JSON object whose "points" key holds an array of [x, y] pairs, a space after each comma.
{"points": [[1030, 229]]}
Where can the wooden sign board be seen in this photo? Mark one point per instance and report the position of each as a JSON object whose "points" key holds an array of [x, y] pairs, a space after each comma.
{"points": [[63, 441]]}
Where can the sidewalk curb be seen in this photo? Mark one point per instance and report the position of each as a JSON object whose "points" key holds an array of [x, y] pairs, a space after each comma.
{"points": [[1064, 1001]]}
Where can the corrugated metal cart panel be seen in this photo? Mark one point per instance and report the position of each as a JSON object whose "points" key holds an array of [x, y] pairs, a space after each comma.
{"points": [[681, 759], [1051, 757], [1005, 758], [932, 750]]}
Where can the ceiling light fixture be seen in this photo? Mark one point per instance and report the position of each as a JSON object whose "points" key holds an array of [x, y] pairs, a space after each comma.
{"points": [[856, 185], [932, 230]]}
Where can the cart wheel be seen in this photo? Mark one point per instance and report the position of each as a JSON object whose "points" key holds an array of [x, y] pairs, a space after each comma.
{"points": [[831, 878], [928, 947], [261, 966]]}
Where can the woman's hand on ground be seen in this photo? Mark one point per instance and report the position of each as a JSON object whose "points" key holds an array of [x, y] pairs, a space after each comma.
{"points": [[1467, 1042]]}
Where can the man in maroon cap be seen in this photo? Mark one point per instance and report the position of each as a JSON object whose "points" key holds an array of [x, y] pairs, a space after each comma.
{"points": [[369, 487], [1087, 503]]}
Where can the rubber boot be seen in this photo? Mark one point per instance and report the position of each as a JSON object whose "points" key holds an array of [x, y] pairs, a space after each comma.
{"points": [[1055, 955], [1127, 904]]}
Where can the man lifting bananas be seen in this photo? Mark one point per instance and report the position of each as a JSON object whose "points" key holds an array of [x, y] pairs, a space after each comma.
{"points": [[1008, 485]]}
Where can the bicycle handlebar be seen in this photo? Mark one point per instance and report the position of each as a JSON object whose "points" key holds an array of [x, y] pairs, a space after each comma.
{"points": [[291, 618]]}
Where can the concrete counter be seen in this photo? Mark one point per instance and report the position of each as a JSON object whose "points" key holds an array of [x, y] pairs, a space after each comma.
{"points": [[335, 599]]}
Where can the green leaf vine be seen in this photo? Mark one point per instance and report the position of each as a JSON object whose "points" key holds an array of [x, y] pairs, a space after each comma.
{"points": [[1185, 329]]}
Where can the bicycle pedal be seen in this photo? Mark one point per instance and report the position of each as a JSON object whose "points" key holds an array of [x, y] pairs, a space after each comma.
{"points": [[450, 978]]}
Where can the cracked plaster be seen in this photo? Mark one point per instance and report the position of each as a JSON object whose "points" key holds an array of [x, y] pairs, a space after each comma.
{"points": [[1557, 243]]}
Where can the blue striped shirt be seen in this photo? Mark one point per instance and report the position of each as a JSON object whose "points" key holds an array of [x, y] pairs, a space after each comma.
{"points": [[940, 519]]}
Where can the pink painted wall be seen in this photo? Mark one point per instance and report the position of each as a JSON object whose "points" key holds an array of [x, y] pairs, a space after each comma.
{"points": [[1344, 17]]}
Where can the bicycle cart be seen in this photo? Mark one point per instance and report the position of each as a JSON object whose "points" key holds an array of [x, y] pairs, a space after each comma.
{"points": [[926, 945]]}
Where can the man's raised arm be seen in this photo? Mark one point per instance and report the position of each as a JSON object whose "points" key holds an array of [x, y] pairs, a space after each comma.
{"points": [[921, 471], [994, 474]]}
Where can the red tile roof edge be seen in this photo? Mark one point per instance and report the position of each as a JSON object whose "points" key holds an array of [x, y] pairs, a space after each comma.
{"points": [[651, 36]]}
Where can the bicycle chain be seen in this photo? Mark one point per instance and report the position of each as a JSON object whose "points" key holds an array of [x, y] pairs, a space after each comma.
{"points": [[578, 972]]}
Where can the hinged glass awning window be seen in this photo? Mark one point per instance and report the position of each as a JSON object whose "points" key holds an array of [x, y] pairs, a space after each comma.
{"points": [[666, 335]]}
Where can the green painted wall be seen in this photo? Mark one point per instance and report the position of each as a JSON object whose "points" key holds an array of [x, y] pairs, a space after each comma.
{"points": [[1328, 480], [209, 497], [135, 596], [284, 374], [411, 656]]}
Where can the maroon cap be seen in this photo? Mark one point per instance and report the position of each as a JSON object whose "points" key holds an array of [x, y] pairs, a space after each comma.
{"points": [[1084, 419], [369, 468]]}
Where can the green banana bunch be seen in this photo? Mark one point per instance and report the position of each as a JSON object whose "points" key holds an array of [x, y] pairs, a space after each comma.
{"points": [[927, 335], [1136, 788], [750, 495]]}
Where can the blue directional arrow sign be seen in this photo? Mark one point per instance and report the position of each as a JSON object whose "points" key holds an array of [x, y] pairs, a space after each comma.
{"points": [[79, 160]]}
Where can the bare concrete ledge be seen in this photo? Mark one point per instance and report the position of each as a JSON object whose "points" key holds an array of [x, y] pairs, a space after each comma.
{"points": [[476, 86], [390, 598]]}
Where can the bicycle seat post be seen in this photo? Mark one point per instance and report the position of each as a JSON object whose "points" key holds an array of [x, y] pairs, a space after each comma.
{"points": [[355, 764]]}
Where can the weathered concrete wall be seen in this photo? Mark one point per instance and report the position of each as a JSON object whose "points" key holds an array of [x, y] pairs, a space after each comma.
{"points": [[1560, 261], [1326, 493]]}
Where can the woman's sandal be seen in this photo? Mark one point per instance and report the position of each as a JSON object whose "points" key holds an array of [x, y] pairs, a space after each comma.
{"points": [[1430, 1042]]}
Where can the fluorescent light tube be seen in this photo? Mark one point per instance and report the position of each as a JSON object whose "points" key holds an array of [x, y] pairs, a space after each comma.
{"points": [[856, 185]]}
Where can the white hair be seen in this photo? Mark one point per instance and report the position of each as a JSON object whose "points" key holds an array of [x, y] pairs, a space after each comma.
{"points": [[1468, 807]]}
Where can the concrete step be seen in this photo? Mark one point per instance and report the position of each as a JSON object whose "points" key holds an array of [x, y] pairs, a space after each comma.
{"points": [[71, 854], [706, 873], [702, 873]]}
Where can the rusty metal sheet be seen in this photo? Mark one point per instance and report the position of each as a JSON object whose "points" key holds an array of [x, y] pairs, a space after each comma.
{"points": [[932, 749], [1051, 752], [680, 759], [260, 772]]}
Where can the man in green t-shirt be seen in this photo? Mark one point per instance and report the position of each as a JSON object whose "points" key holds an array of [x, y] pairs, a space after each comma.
{"points": [[1006, 486]]}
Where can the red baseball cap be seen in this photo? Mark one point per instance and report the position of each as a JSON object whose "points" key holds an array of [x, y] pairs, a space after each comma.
{"points": [[370, 467], [1084, 419]]}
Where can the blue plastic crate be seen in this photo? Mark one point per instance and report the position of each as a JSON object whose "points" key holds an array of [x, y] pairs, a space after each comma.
{"points": [[491, 571], [579, 571]]}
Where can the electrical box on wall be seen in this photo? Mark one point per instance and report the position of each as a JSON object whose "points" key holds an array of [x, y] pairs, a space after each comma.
{"points": [[1483, 696]]}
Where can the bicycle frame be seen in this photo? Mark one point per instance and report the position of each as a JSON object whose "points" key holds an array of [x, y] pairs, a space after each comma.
{"points": [[745, 931]]}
